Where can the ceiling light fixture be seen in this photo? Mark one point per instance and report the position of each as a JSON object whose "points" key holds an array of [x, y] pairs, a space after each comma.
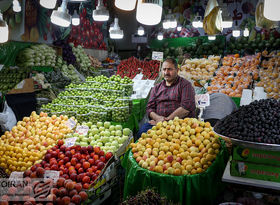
{"points": [[125, 4], [111, 27], [61, 16], [197, 22], [149, 12], [236, 31], [271, 10], [166, 24], [75, 19], [140, 31], [246, 32], [49, 4], [4, 30], [116, 32], [173, 22], [16, 6], [160, 36], [179, 27], [100, 13], [212, 38]]}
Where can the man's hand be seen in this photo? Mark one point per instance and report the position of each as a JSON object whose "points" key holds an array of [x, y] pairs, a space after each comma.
{"points": [[158, 119]]}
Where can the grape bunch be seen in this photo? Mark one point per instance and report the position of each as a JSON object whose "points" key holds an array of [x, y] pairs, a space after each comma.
{"points": [[256, 122]]}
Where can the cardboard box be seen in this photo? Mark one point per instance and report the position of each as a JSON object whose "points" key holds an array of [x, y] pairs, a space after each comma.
{"points": [[255, 171], [25, 86], [256, 156]]}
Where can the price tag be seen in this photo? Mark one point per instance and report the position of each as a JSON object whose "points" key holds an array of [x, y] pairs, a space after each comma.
{"points": [[70, 123], [50, 174], [16, 176], [202, 100], [20, 85], [82, 130], [69, 142], [157, 55]]}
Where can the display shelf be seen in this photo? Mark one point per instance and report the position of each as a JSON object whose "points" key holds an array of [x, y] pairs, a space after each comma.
{"points": [[249, 182]]}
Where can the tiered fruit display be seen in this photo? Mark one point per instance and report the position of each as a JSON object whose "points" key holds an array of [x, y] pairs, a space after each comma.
{"points": [[104, 135], [235, 74], [11, 77], [270, 75], [200, 69], [30, 139], [177, 147], [256, 122], [67, 53], [37, 55], [97, 99]]}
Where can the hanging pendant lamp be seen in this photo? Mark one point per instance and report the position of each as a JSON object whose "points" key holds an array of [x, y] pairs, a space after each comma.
{"points": [[149, 12], [127, 5]]}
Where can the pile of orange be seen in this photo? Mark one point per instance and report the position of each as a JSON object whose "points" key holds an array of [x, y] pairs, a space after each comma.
{"points": [[235, 74], [269, 75]]}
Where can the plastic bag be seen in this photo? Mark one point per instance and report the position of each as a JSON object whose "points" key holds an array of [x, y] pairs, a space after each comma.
{"points": [[7, 118], [261, 21]]}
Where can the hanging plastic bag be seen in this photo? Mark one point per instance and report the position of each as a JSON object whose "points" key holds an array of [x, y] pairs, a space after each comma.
{"points": [[212, 22], [7, 118], [261, 21]]}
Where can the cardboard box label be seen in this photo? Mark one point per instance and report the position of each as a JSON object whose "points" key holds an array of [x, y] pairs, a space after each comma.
{"points": [[255, 171], [256, 156]]}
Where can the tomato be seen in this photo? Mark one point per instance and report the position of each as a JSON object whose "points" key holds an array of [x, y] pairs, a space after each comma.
{"points": [[88, 23], [100, 36], [84, 12], [96, 32], [95, 44], [86, 44], [90, 42]]}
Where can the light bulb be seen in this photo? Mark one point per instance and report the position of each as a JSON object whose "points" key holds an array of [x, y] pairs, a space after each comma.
{"points": [[127, 5], [4, 30], [173, 23], [179, 27], [271, 10], [49, 4], [246, 32], [141, 31], [16, 6], [197, 22], [149, 12], [116, 32], [236, 33], [75, 19], [212, 38], [100, 13], [159, 36], [60, 16]]}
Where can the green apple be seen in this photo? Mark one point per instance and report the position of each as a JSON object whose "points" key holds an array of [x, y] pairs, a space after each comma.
{"points": [[115, 143], [85, 139], [107, 133], [99, 124], [101, 129], [112, 128], [118, 133], [99, 144], [94, 131], [105, 139], [118, 127], [126, 131], [89, 124], [96, 137], [93, 126], [93, 143], [107, 124], [84, 144], [113, 133]]}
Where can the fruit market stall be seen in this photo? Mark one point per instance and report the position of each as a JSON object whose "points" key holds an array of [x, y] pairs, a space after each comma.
{"points": [[166, 160]]}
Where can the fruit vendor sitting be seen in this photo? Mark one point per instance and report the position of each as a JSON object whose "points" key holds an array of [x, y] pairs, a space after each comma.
{"points": [[172, 97]]}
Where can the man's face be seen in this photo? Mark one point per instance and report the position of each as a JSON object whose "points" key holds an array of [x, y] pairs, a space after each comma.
{"points": [[169, 72]]}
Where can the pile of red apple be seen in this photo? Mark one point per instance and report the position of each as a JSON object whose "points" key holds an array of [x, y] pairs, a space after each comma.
{"points": [[80, 164]]}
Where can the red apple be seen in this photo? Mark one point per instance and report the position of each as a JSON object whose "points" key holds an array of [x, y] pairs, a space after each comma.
{"points": [[74, 161], [76, 199], [100, 165], [62, 192], [108, 155], [101, 153], [77, 147], [90, 149], [80, 170], [84, 150], [61, 156], [61, 162], [83, 195], [73, 151], [94, 168], [60, 182], [85, 185], [70, 185], [68, 164], [27, 173], [90, 170], [54, 154], [40, 172], [78, 165], [62, 148], [86, 179], [73, 192], [78, 187], [66, 159], [68, 153], [102, 158], [60, 142], [96, 157], [170, 158], [86, 165], [33, 168], [54, 167], [73, 176], [46, 165], [96, 150], [47, 157]]}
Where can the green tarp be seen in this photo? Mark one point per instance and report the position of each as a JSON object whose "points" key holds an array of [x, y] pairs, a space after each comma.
{"points": [[187, 189]]}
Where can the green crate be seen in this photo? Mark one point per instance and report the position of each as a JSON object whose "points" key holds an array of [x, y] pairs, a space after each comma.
{"points": [[236, 100], [256, 156], [254, 171]]}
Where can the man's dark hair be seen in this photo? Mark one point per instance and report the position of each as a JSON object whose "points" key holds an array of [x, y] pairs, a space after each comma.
{"points": [[173, 61]]}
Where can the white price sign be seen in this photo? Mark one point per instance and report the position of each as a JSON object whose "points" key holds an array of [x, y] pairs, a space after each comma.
{"points": [[82, 130], [16, 176], [69, 142], [50, 174], [157, 55], [202, 100], [70, 123]]}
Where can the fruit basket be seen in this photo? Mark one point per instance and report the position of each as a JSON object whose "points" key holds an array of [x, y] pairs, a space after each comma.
{"points": [[120, 114]]}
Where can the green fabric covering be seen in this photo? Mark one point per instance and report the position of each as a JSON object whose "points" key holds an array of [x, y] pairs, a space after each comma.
{"points": [[194, 189], [10, 50], [178, 42], [236, 101]]}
